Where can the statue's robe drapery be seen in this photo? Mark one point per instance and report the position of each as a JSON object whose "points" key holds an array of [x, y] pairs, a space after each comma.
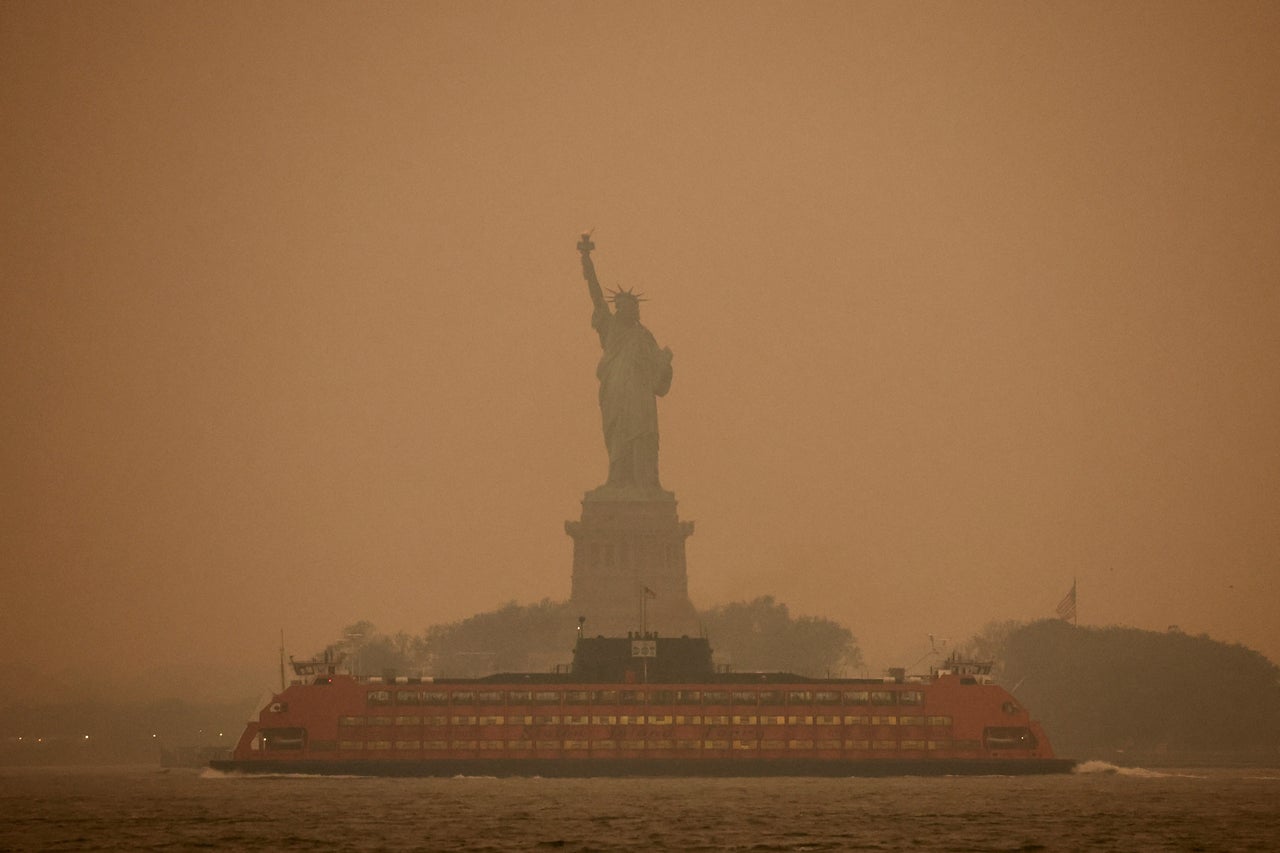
{"points": [[632, 373]]}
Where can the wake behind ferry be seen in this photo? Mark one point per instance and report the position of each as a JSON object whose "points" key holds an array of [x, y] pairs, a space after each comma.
{"points": [[644, 705]]}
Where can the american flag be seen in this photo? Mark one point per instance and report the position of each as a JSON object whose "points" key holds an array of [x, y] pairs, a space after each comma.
{"points": [[1067, 606]]}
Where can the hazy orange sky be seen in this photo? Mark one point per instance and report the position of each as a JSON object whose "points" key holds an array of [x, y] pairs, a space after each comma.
{"points": [[966, 300]]}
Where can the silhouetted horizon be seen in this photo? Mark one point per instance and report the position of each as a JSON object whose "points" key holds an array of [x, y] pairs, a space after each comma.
{"points": [[968, 304]]}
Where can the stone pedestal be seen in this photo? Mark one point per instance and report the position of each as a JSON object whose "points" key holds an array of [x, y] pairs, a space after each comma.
{"points": [[621, 546]]}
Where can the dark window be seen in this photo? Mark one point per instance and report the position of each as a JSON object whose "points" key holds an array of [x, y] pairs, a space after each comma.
{"points": [[1008, 737], [380, 697], [882, 697], [284, 738], [434, 697]]}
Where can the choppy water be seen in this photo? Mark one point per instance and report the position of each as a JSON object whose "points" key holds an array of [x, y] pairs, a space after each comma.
{"points": [[1102, 808]]}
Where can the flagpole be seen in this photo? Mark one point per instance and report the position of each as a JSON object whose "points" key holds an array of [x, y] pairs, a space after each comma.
{"points": [[644, 631], [644, 612]]}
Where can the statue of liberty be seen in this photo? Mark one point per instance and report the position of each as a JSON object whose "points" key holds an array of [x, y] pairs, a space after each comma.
{"points": [[633, 372]]}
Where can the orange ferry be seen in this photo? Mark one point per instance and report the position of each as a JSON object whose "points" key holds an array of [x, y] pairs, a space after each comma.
{"points": [[644, 705]]}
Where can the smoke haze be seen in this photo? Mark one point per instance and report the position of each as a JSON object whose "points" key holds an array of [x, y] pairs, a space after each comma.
{"points": [[966, 301]]}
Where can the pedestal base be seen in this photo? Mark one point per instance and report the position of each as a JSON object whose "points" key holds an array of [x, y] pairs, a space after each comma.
{"points": [[624, 545]]}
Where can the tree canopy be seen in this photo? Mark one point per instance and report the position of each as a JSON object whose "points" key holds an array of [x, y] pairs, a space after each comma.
{"points": [[1129, 694], [748, 635], [762, 635]]}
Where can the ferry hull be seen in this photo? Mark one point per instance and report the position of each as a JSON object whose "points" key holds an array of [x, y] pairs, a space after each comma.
{"points": [[669, 715], [586, 768]]}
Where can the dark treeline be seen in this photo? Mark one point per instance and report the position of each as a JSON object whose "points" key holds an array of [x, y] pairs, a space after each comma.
{"points": [[761, 635], [750, 635], [1132, 696]]}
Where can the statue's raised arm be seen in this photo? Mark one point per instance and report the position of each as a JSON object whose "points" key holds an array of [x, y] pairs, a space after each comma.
{"points": [[589, 273]]}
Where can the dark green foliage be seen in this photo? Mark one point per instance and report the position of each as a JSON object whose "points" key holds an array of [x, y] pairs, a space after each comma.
{"points": [[761, 635], [514, 638], [382, 654], [1123, 693], [754, 635]]}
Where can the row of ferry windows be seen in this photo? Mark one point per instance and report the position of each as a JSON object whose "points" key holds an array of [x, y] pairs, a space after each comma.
{"points": [[645, 719], [914, 744], [654, 697]]}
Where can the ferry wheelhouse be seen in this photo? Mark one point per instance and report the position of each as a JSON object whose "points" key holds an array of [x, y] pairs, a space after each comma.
{"points": [[644, 705]]}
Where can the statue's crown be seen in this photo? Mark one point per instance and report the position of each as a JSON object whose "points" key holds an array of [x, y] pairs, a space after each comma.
{"points": [[625, 294]]}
